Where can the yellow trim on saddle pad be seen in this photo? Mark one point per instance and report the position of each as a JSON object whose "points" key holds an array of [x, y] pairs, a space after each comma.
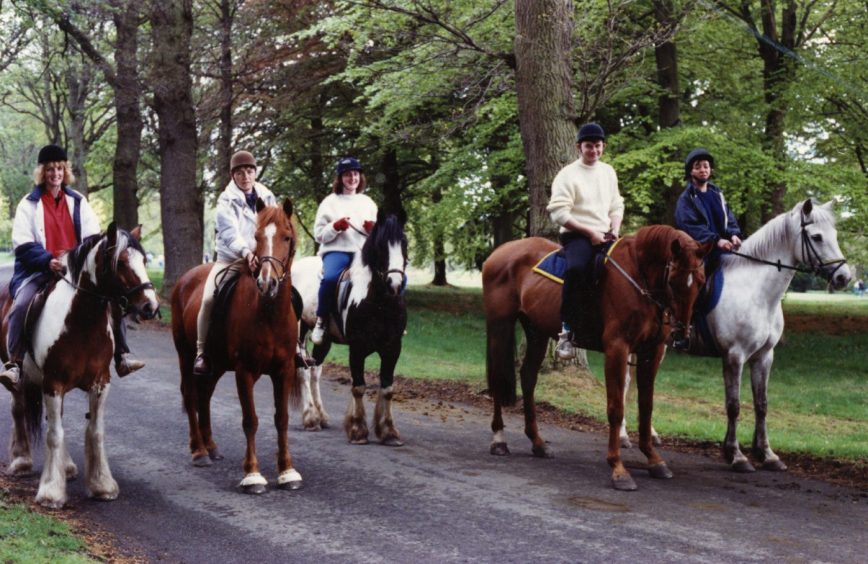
{"points": [[542, 272]]}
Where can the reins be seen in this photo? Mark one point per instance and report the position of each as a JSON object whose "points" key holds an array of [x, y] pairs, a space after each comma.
{"points": [[809, 253]]}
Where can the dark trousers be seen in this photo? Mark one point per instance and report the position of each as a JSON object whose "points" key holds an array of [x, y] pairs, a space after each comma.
{"points": [[16, 342], [578, 279]]}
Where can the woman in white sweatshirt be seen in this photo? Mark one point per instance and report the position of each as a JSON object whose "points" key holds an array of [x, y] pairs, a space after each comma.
{"points": [[343, 221]]}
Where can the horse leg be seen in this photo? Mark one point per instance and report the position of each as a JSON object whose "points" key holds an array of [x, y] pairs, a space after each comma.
{"points": [[732, 368], [99, 482], [500, 373], [628, 377], [190, 393], [314, 416], [19, 447], [253, 482], [52, 483], [616, 366], [647, 366], [760, 368], [384, 424], [533, 358], [288, 478], [315, 379], [206, 391], [355, 425]]}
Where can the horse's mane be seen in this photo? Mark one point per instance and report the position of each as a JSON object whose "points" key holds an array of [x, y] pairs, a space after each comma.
{"points": [[770, 236], [385, 232], [269, 214], [77, 256], [654, 243]]}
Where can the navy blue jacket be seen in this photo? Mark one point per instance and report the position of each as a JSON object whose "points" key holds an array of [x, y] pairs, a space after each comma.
{"points": [[691, 218]]}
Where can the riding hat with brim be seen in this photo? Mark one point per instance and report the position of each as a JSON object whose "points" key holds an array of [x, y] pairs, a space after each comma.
{"points": [[241, 158], [51, 154]]}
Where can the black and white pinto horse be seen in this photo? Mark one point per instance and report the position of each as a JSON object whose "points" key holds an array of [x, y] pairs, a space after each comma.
{"points": [[72, 347], [748, 321], [372, 320]]}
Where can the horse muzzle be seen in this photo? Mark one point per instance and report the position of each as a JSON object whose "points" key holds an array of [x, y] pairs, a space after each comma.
{"points": [[267, 285]]}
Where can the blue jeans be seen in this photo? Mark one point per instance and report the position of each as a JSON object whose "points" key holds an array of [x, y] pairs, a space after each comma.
{"points": [[333, 264]]}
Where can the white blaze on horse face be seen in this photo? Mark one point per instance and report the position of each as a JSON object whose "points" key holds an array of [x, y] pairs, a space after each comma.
{"points": [[690, 280], [269, 232], [137, 265], [396, 262]]}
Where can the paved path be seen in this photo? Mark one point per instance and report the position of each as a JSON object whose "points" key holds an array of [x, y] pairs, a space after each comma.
{"points": [[441, 498]]}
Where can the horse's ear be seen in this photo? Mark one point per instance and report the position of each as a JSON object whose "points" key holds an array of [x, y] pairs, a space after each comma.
{"points": [[705, 249], [675, 247], [136, 233], [259, 204], [112, 233], [287, 207], [807, 207]]}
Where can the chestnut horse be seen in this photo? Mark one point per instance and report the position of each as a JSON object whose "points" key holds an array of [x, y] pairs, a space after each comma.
{"points": [[256, 334], [648, 286], [71, 346]]}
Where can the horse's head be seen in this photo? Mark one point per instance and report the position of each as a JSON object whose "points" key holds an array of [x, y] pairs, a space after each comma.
{"points": [[121, 274], [385, 253], [275, 245], [676, 260], [818, 245]]}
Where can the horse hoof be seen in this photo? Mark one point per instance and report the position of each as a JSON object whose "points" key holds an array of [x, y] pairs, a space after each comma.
{"points": [[202, 461], [499, 449], [51, 503], [743, 467], [290, 486], [542, 452], [624, 483], [775, 465], [655, 440], [313, 427], [392, 442], [660, 471], [214, 454], [105, 497], [20, 469], [359, 441], [254, 489], [625, 443]]}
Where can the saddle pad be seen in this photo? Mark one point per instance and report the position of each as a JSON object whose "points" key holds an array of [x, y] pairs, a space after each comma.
{"points": [[706, 302], [554, 265]]}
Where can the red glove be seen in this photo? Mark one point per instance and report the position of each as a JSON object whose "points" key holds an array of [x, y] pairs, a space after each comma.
{"points": [[368, 225], [341, 224]]}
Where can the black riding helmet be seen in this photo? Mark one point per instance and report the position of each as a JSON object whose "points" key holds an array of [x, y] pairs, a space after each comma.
{"points": [[695, 155]]}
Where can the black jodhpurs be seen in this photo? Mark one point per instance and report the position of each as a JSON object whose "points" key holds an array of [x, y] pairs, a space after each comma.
{"points": [[578, 279]]}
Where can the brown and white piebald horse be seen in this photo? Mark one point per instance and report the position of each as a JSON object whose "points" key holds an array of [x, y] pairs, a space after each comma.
{"points": [[72, 347], [256, 334], [648, 285]]}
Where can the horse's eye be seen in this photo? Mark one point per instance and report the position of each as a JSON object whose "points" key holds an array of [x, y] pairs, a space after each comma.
{"points": [[818, 238], [286, 238]]}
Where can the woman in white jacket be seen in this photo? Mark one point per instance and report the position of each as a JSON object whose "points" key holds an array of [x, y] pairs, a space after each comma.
{"points": [[236, 230], [343, 221]]}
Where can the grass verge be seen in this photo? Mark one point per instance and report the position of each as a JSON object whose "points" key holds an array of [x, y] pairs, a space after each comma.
{"points": [[26, 536]]}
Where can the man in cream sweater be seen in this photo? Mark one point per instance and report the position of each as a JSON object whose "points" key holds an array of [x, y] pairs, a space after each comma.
{"points": [[586, 204]]}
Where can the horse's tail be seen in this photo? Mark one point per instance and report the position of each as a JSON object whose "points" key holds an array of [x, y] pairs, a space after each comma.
{"points": [[31, 395], [500, 360]]}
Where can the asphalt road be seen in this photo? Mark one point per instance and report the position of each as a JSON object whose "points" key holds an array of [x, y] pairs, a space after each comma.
{"points": [[440, 498]]}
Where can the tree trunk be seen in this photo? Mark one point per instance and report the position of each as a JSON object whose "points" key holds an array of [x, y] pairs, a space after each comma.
{"points": [[543, 78], [439, 247], [224, 143], [77, 84], [180, 196], [392, 203], [129, 119], [666, 57]]}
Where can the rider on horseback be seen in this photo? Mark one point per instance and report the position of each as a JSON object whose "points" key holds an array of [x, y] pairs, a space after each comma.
{"points": [[235, 228], [701, 211], [586, 204], [343, 221], [50, 220]]}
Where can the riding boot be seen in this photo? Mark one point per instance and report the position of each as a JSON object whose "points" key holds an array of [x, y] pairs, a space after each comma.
{"points": [[125, 362], [201, 367], [565, 349], [318, 332], [11, 375]]}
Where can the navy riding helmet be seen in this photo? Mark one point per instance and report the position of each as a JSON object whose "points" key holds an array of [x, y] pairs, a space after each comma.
{"points": [[591, 132], [695, 155], [348, 163]]}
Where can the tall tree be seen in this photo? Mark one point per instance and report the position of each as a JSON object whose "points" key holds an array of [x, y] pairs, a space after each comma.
{"points": [[123, 77], [171, 80], [546, 115]]}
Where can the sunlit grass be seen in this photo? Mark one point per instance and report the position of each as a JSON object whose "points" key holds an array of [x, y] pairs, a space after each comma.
{"points": [[26, 536]]}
